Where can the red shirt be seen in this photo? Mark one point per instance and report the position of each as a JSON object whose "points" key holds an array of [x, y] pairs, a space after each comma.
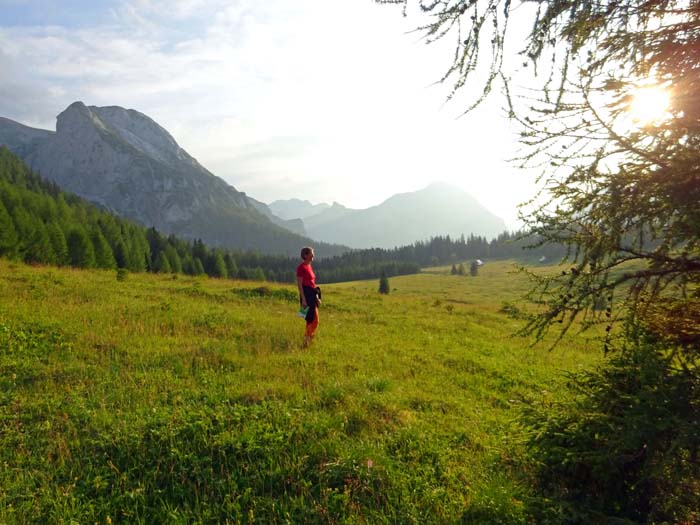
{"points": [[308, 277]]}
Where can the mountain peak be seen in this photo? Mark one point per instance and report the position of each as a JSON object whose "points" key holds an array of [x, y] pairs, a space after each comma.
{"points": [[143, 133], [74, 117], [124, 161], [126, 125], [77, 105], [438, 209]]}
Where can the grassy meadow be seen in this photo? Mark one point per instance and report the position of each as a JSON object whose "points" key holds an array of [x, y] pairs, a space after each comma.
{"points": [[161, 399]]}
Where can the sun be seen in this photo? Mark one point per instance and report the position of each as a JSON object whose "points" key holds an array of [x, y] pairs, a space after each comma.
{"points": [[650, 104]]}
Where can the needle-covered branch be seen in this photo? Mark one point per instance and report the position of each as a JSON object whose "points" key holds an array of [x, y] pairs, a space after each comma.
{"points": [[621, 195]]}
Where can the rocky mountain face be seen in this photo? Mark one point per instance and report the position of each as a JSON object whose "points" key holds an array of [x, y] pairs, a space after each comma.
{"points": [[439, 209], [124, 161], [21, 139]]}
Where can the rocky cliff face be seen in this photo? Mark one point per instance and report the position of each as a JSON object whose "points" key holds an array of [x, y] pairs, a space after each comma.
{"points": [[124, 161]]}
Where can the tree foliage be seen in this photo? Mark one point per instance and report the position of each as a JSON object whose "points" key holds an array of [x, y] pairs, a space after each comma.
{"points": [[622, 196], [384, 287], [8, 235], [37, 219], [474, 269], [625, 444]]}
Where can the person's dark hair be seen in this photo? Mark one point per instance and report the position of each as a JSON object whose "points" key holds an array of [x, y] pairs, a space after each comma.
{"points": [[306, 250]]}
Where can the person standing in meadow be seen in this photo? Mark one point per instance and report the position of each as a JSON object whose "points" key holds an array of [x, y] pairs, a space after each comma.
{"points": [[308, 293]]}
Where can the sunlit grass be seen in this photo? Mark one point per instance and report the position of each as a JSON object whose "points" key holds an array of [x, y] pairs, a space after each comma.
{"points": [[181, 400]]}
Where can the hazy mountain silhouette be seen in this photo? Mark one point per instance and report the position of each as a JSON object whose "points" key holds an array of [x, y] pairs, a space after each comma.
{"points": [[124, 161], [439, 209], [296, 208]]}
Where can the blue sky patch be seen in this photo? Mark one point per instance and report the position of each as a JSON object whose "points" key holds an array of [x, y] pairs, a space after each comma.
{"points": [[66, 13]]}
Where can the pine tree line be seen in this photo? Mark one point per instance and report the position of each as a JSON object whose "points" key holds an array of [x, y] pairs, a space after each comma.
{"points": [[39, 223], [438, 250]]}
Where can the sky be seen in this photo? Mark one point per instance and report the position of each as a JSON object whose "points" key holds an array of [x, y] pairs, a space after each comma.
{"points": [[323, 100]]}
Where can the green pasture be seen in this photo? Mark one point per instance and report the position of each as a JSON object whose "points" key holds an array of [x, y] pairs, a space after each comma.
{"points": [[163, 399]]}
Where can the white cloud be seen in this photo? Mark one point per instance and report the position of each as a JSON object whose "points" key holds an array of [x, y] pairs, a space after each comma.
{"points": [[325, 97]]}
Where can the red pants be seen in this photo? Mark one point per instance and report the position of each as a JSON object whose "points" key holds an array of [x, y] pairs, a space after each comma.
{"points": [[311, 327]]}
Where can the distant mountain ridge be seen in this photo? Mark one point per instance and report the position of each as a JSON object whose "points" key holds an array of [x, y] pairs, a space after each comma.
{"points": [[21, 139], [127, 163], [439, 209], [124, 161], [296, 208]]}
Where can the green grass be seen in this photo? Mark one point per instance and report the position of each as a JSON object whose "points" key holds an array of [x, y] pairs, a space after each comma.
{"points": [[182, 400]]}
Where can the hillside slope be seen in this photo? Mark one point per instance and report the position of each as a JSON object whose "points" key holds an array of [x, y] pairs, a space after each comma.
{"points": [[125, 162]]}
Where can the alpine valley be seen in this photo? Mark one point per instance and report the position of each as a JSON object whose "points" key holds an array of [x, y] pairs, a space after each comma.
{"points": [[439, 209], [123, 161]]}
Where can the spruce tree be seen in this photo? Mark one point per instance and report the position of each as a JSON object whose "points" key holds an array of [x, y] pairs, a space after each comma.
{"points": [[121, 253], [8, 234], [231, 266], [218, 265], [38, 245], [162, 265], [474, 269], [199, 251], [617, 192], [384, 283], [104, 257], [138, 250], [58, 243], [622, 198], [24, 224], [198, 266], [173, 258], [188, 265], [80, 250]]}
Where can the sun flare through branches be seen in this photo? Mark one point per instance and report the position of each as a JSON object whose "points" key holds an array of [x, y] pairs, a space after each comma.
{"points": [[649, 105]]}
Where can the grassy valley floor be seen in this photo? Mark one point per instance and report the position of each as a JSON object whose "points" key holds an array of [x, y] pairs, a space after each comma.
{"points": [[161, 399]]}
